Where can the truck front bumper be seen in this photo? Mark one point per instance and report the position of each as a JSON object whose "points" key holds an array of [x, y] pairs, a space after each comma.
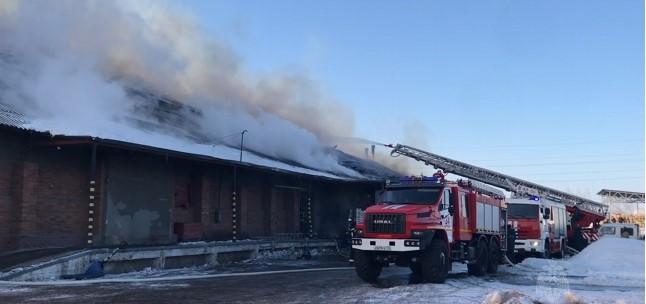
{"points": [[529, 246], [398, 245]]}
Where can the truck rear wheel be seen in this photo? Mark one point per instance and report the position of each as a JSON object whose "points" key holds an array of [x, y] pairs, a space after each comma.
{"points": [[435, 262], [365, 265], [494, 257], [479, 268]]}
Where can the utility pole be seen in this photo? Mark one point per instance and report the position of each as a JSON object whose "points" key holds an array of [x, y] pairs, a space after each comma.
{"points": [[242, 142], [234, 205]]}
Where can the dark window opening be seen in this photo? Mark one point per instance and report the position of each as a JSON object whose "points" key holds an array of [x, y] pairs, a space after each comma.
{"points": [[463, 205], [626, 232], [412, 196], [522, 211]]}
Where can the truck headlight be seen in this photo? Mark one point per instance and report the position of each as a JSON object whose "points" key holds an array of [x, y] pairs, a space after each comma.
{"points": [[411, 243], [535, 244]]}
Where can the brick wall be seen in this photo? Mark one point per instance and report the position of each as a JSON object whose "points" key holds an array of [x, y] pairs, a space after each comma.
{"points": [[61, 202], [252, 204], [44, 193], [215, 202], [10, 153]]}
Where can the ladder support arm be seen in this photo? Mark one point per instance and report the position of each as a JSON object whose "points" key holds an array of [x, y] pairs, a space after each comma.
{"points": [[515, 185]]}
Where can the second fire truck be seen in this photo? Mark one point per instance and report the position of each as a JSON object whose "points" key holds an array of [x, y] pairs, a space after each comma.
{"points": [[540, 225]]}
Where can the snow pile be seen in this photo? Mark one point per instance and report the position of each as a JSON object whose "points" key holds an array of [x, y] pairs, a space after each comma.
{"points": [[293, 253], [610, 257], [516, 297], [486, 291], [506, 297], [602, 262]]}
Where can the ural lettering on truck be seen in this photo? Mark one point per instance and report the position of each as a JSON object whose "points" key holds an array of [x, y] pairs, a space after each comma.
{"points": [[427, 223]]}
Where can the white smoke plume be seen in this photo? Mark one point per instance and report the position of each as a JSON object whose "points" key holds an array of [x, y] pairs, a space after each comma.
{"points": [[68, 63]]}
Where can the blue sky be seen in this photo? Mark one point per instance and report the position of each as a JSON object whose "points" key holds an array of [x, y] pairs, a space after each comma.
{"points": [[549, 91]]}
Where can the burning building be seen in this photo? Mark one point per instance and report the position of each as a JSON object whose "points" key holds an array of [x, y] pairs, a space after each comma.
{"points": [[164, 187], [87, 160]]}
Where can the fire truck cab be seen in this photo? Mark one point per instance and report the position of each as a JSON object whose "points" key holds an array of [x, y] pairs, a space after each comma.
{"points": [[426, 223], [541, 227]]}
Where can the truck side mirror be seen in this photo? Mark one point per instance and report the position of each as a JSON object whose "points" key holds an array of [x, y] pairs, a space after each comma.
{"points": [[452, 202]]}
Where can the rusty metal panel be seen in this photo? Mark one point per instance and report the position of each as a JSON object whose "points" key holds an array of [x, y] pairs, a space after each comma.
{"points": [[139, 196]]}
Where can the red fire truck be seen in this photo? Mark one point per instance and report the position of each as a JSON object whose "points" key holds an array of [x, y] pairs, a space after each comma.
{"points": [[540, 225], [426, 224]]}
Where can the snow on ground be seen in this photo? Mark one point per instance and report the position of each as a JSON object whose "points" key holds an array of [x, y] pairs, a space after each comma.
{"points": [[609, 261], [505, 287], [14, 289], [477, 290], [608, 271]]}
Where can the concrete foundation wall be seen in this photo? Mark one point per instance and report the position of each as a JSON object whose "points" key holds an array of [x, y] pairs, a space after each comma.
{"points": [[167, 257]]}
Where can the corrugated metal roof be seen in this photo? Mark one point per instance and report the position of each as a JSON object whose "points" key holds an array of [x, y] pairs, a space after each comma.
{"points": [[12, 118]]}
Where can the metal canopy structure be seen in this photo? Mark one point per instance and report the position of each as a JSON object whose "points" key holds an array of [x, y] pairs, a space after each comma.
{"points": [[515, 185], [619, 196]]}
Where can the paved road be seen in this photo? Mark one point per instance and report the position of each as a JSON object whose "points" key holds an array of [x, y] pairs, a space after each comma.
{"points": [[276, 288], [330, 286]]}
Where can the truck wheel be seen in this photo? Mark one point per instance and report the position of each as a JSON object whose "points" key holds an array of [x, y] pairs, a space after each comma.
{"points": [[365, 265], [547, 254], [494, 258], [435, 262], [480, 266]]}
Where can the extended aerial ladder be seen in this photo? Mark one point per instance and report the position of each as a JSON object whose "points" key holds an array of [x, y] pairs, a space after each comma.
{"points": [[517, 186]]}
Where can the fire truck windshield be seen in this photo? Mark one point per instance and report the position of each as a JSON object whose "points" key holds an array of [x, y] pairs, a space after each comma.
{"points": [[411, 196], [522, 211]]}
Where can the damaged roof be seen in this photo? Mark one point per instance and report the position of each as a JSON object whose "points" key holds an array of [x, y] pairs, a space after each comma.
{"points": [[170, 125], [10, 117]]}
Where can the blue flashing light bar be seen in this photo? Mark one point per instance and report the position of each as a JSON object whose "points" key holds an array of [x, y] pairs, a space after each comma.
{"points": [[535, 198]]}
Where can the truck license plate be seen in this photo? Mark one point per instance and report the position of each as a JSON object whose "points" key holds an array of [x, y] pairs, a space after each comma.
{"points": [[382, 248]]}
